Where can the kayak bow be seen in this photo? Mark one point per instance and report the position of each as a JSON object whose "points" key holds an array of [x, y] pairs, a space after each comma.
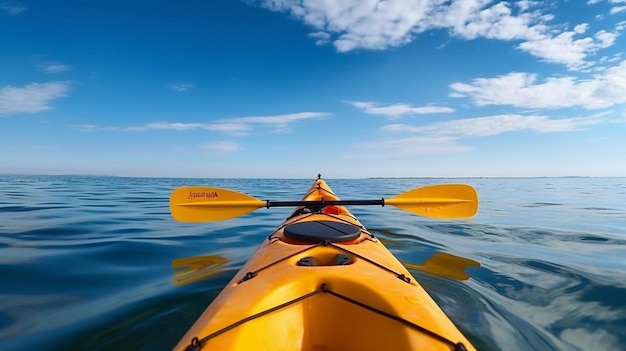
{"points": [[321, 281]]}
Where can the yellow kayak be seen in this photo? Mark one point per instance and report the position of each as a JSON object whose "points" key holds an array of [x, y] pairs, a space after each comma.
{"points": [[321, 281]]}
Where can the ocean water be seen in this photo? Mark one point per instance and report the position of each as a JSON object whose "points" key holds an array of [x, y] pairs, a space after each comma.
{"points": [[97, 263]]}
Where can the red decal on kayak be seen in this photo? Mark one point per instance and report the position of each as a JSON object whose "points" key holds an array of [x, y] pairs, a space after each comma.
{"points": [[203, 195]]}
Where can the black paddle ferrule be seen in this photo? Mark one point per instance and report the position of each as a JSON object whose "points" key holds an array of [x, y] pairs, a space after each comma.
{"points": [[322, 202]]}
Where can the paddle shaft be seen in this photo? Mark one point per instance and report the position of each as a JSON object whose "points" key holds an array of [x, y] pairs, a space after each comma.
{"points": [[323, 203]]}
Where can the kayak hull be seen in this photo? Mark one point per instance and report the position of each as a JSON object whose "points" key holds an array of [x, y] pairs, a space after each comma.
{"points": [[347, 294]]}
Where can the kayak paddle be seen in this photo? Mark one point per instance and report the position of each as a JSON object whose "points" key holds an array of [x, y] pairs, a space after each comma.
{"points": [[206, 204]]}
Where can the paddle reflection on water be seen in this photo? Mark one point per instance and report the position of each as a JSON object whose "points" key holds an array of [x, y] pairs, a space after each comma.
{"points": [[445, 265], [189, 270], [439, 264]]}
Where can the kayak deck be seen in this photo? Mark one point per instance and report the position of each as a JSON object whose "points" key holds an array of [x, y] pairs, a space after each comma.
{"points": [[322, 282]]}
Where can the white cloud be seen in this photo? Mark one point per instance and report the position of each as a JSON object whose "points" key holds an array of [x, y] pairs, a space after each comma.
{"points": [[234, 126], [320, 37], [87, 127], [475, 18], [565, 49], [222, 147], [225, 127], [417, 145], [397, 110], [173, 126], [279, 119], [32, 98], [617, 9], [55, 68], [524, 5], [494, 125], [447, 136], [278, 123], [12, 8], [379, 25], [181, 87], [605, 89]]}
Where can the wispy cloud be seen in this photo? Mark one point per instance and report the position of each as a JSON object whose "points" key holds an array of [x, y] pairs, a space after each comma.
{"points": [[320, 37], [279, 121], [617, 9], [447, 136], [181, 87], [235, 126], [494, 125], [224, 127], [417, 145], [604, 89], [54, 68], [222, 147], [32, 98], [395, 111], [219, 126], [379, 25], [12, 8], [617, 6]]}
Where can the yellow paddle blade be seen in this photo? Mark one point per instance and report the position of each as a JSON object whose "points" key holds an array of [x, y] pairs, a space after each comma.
{"points": [[439, 201], [203, 204]]}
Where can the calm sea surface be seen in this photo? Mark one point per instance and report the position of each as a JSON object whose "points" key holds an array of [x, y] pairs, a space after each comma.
{"points": [[97, 263]]}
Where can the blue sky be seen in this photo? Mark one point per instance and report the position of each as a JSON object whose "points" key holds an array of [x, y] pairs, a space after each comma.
{"points": [[292, 88]]}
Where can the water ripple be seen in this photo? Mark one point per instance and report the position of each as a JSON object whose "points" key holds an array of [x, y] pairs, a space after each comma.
{"points": [[87, 262]]}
